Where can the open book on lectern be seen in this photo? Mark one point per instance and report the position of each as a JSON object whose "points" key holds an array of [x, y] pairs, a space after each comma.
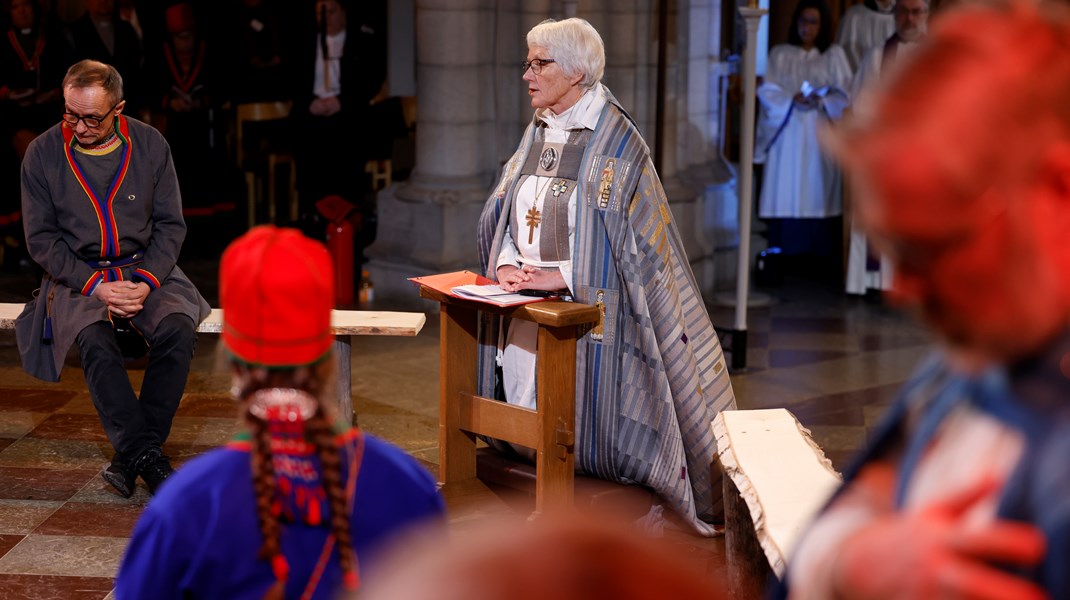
{"points": [[472, 286]]}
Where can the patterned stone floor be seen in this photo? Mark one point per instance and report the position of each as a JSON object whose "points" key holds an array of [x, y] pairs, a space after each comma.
{"points": [[834, 361]]}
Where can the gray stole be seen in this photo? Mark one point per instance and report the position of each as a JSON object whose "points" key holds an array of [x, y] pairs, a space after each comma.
{"points": [[561, 162]]}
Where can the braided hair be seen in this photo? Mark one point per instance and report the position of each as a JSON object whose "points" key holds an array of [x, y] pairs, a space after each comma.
{"points": [[315, 380]]}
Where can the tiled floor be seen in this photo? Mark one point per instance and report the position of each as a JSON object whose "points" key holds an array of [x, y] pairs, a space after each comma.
{"points": [[834, 361]]}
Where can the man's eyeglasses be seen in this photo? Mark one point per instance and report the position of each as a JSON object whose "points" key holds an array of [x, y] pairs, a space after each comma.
{"points": [[90, 121], [536, 64]]}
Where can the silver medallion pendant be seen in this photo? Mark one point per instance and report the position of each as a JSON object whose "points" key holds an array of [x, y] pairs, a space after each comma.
{"points": [[548, 159]]}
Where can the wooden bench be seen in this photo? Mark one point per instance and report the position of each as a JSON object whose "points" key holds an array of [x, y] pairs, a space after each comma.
{"points": [[344, 324], [776, 479], [550, 429]]}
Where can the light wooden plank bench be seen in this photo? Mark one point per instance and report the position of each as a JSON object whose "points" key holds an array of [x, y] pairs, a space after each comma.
{"points": [[344, 324], [776, 479]]}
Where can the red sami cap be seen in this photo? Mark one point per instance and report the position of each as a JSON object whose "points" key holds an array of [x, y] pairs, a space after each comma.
{"points": [[179, 18], [277, 291]]}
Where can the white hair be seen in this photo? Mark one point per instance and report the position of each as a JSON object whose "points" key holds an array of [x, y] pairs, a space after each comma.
{"points": [[575, 46]]}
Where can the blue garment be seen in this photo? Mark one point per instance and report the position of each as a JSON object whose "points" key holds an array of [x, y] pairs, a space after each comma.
{"points": [[1032, 397], [198, 537]]}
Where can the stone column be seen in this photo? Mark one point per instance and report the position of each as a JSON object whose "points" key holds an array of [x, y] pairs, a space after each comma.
{"points": [[702, 163], [684, 183], [428, 224], [722, 196]]}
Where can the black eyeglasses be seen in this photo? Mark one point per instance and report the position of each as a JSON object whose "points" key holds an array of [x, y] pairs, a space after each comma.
{"points": [[536, 64], [90, 122]]}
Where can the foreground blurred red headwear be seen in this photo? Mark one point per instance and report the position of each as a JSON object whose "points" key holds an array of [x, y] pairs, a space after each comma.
{"points": [[276, 287]]}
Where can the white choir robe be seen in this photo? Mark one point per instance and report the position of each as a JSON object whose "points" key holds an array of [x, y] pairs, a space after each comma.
{"points": [[863, 28], [800, 181], [863, 88]]}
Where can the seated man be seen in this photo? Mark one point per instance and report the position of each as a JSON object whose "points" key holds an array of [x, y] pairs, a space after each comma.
{"points": [[965, 493], [103, 218]]}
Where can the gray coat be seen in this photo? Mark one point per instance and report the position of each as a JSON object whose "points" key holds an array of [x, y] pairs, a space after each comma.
{"points": [[65, 228]]}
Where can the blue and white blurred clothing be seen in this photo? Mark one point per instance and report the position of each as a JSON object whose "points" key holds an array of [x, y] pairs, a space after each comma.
{"points": [[948, 433]]}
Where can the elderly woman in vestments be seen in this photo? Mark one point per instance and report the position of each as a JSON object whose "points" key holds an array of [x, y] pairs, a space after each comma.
{"points": [[579, 209], [805, 86]]}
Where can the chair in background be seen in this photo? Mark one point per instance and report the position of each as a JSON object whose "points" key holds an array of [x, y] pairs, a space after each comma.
{"points": [[265, 155], [381, 172]]}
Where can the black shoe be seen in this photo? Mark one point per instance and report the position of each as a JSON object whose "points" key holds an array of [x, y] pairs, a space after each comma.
{"points": [[120, 478], [154, 468]]}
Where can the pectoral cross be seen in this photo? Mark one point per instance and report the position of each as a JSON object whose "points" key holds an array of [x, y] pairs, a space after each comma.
{"points": [[533, 218], [560, 188]]}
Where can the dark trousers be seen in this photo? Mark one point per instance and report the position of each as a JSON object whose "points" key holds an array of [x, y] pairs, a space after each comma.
{"points": [[134, 425]]}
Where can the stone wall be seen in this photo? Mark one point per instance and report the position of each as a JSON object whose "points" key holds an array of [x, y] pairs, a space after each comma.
{"points": [[473, 107]]}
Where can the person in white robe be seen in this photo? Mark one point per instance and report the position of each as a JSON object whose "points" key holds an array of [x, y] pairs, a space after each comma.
{"points": [[866, 270], [805, 86], [864, 27]]}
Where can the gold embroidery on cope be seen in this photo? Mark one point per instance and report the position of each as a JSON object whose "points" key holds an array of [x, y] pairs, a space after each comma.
{"points": [[600, 303], [605, 188], [507, 177]]}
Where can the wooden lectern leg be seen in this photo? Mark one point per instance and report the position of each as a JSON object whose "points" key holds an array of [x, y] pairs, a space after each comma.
{"points": [[457, 368], [556, 384]]}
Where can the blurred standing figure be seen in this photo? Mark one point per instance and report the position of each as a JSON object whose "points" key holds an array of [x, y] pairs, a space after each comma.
{"points": [[187, 102], [805, 86], [101, 35], [867, 269], [32, 64], [299, 503], [964, 491], [259, 52], [579, 210], [342, 69], [865, 26], [33, 59], [911, 27]]}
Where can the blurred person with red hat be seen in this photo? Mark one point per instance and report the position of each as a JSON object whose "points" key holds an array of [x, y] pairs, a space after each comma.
{"points": [[298, 502], [964, 165]]}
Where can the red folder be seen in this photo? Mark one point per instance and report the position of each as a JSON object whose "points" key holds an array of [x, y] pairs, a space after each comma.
{"points": [[445, 282]]}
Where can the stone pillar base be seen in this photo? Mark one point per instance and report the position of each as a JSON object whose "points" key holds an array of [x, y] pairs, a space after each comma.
{"points": [[423, 229]]}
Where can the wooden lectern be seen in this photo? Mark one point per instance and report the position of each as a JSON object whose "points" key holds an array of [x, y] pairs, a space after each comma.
{"points": [[463, 415]]}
